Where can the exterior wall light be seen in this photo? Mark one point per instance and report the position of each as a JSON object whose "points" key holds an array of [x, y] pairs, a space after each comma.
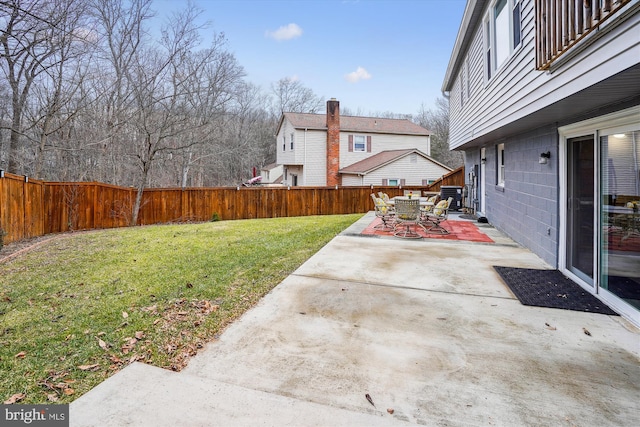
{"points": [[544, 158]]}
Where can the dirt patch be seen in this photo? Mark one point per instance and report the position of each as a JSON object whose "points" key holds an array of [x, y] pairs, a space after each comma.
{"points": [[15, 249]]}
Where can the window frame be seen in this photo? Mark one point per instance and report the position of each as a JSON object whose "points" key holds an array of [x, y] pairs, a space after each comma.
{"points": [[500, 165], [284, 143], [396, 180], [355, 143], [513, 10]]}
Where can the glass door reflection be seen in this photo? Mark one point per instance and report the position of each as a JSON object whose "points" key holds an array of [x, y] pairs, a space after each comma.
{"points": [[620, 218]]}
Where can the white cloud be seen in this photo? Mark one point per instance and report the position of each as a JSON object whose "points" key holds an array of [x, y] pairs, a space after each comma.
{"points": [[286, 32], [357, 75]]}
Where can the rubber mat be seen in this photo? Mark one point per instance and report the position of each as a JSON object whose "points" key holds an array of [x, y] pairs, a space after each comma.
{"points": [[550, 288]]}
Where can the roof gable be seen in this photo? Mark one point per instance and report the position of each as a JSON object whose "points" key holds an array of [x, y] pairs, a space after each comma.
{"points": [[384, 158]]}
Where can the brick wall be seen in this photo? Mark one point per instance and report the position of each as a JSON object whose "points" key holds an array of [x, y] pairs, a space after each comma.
{"points": [[333, 142]]}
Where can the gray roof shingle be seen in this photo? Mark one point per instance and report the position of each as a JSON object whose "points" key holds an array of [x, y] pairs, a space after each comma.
{"points": [[357, 124]]}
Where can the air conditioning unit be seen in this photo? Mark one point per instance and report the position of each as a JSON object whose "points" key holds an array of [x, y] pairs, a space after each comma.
{"points": [[453, 191]]}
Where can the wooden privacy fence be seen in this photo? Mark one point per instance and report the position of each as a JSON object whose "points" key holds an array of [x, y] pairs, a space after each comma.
{"points": [[31, 208]]}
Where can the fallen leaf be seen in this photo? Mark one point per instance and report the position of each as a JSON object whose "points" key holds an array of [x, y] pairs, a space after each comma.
{"points": [[125, 314], [21, 355], [189, 285], [68, 391], [549, 327], [15, 398], [89, 367], [390, 410], [139, 335], [586, 332], [52, 397], [103, 345], [369, 399], [155, 322]]}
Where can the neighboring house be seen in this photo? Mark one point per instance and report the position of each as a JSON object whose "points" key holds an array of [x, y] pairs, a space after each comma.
{"points": [[387, 167], [315, 149], [545, 103], [271, 174]]}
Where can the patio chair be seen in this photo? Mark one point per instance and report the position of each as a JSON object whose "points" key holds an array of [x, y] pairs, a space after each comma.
{"points": [[439, 214], [407, 214], [383, 211], [383, 196], [424, 210]]}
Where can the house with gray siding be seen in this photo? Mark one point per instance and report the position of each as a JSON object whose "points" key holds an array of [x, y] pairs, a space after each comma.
{"points": [[318, 149], [545, 104]]}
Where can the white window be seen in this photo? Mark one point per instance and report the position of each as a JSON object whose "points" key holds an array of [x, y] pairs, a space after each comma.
{"points": [[502, 33], [393, 182], [359, 143], [500, 164], [284, 143], [292, 141]]}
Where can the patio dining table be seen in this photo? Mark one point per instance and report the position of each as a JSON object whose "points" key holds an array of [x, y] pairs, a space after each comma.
{"points": [[423, 200]]}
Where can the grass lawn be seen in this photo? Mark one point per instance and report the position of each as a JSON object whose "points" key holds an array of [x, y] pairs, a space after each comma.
{"points": [[80, 307]]}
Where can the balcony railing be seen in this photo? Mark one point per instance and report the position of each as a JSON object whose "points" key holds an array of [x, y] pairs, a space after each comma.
{"points": [[560, 24]]}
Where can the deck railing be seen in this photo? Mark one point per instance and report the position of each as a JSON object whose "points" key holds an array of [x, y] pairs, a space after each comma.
{"points": [[560, 24]]}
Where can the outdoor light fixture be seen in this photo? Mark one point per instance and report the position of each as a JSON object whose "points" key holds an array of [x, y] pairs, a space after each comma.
{"points": [[1, 173], [544, 158]]}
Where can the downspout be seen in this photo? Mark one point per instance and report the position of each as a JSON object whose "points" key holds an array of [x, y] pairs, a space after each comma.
{"points": [[304, 171]]}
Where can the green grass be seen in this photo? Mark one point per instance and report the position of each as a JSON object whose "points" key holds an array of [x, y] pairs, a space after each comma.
{"points": [[80, 307]]}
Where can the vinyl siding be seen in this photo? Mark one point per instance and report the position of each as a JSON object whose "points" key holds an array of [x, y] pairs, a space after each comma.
{"points": [[404, 168], [315, 169], [379, 143], [517, 89]]}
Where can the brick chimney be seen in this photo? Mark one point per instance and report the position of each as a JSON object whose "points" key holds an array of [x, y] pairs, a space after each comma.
{"points": [[333, 142]]}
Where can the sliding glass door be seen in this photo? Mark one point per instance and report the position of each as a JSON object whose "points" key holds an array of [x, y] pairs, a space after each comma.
{"points": [[620, 217], [580, 207], [600, 208]]}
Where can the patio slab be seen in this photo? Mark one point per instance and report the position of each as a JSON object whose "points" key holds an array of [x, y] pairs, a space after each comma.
{"points": [[426, 328]]}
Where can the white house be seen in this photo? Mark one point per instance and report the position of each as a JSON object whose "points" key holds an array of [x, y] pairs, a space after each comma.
{"points": [[545, 104], [317, 149], [271, 174], [387, 167]]}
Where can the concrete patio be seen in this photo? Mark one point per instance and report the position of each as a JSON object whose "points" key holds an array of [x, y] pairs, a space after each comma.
{"points": [[426, 328]]}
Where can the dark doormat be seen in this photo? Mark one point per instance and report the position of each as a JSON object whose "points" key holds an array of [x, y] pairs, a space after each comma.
{"points": [[550, 288]]}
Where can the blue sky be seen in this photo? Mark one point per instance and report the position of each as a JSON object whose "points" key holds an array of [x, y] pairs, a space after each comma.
{"points": [[372, 55]]}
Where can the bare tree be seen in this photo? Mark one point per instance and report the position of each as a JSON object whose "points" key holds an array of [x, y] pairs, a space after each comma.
{"points": [[177, 92], [437, 121], [292, 97], [29, 40]]}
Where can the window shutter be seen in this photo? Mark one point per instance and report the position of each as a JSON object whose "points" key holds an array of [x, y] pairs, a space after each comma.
{"points": [[402, 181], [385, 182], [425, 182], [368, 143], [350, 143]]}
